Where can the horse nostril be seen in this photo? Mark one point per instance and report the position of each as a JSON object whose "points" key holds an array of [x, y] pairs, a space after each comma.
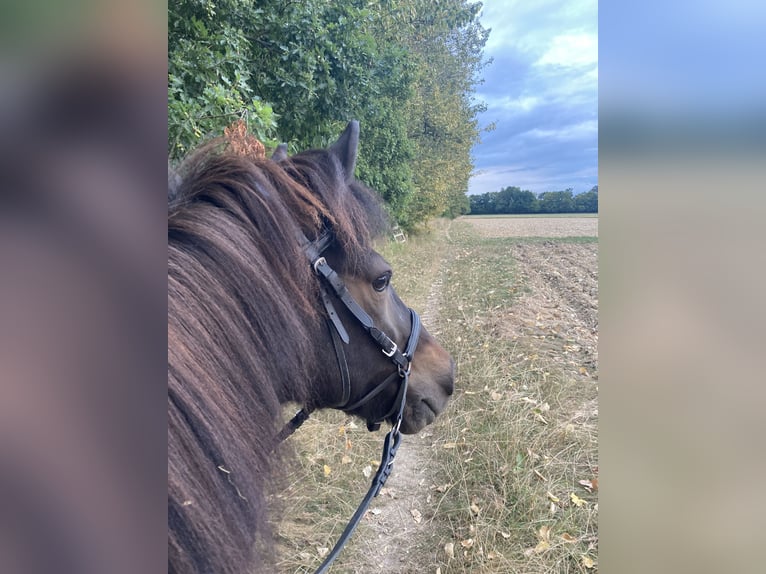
{"points": [[450, 382]]}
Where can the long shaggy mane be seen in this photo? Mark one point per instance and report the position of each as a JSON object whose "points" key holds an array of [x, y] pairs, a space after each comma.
{"points": [[242, 301]]}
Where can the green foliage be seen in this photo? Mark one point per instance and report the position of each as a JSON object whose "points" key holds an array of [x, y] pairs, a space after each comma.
{"points": [[515, 200], [587, 202], [298, 71], [556, 201], [446, 42], [209, 76]]}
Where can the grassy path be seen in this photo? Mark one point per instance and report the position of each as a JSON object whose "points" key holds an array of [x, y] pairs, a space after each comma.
{"points": [[495, 484]]}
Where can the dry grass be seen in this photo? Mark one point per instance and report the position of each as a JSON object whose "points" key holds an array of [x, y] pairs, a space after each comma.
{"points": [[509, 453]]}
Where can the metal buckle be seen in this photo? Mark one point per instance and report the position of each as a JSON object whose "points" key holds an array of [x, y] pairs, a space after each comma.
{"points": [[317, 263], [390, 353]]}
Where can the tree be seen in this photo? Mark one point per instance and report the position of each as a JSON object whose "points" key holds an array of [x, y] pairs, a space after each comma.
{"points": [[587, 202], [298, 71], [556, 201]]}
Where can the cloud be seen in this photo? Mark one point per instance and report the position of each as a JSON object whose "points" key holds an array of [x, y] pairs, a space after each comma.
{"points": [[571, 50], [541, 93], [570, 132]]}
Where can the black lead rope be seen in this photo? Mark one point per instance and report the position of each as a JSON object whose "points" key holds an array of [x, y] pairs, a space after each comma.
{"points": [[390, 446]]}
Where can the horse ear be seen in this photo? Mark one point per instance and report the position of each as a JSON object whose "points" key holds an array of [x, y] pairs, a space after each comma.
{"points": [[345, 148], [280, 153]]}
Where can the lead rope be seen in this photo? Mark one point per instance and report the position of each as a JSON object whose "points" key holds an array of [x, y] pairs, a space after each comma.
{"points": [[390, 446]]}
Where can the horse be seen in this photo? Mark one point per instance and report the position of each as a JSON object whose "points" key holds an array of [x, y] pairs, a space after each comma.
{"points": [[253, 326]]}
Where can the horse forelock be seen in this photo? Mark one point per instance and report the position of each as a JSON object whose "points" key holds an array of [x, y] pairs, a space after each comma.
{"points": [[358, 214]]}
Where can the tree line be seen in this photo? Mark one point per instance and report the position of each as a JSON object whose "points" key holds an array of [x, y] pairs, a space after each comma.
{"points": [[297, 71], [516, 200]]}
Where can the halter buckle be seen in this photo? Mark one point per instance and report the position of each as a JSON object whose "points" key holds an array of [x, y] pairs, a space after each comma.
{"points": [[393, 350], [319, 262]]}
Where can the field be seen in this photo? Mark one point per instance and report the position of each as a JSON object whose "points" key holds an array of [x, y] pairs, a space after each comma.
{"points": [[506, 480]]}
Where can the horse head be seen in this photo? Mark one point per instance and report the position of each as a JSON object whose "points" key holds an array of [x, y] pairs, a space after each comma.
{"points": [[369, 388]]}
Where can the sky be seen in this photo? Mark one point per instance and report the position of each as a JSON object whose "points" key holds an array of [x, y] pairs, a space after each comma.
{"points": [[541, 92]]}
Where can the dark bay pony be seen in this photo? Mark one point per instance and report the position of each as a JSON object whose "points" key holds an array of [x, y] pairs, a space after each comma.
{"points": [[247, 333]]}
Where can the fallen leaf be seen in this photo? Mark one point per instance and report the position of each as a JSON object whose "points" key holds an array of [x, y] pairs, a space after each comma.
{"points": [[542, 546], [589, 485], [322, 551], [341, 430], [475, 509], [345, 460], [327, 470], [552, 497], [416, 515], [587, 561], [449, 549], [568, 537], [467, 543], [367, 471], [493, 555], [544, 533], [576, 500], [495, 396], [505, 535]]}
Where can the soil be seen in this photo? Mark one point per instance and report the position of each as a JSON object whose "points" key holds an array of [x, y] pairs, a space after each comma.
{"points": [[557, 315], [535, 226]]}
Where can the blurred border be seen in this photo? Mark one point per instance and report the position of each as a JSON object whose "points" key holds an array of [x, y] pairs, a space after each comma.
{"points": [[83, 304], [682, 172], [83, 130]]}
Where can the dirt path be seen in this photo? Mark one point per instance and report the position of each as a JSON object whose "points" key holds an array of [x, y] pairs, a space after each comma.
{"points": [[399, 517]]}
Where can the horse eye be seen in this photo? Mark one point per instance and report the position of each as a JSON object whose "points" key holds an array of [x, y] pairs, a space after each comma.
{"points": [[381, 282]]}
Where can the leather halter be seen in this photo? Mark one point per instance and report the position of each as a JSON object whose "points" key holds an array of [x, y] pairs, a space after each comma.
{"points": [[401, 359]]}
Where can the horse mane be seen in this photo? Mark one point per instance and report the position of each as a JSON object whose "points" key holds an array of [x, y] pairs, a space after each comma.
{"points": [[242, 302]]}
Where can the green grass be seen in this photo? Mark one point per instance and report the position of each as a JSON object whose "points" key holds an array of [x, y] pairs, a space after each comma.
{"points": [[511, 419], [511, 444]]}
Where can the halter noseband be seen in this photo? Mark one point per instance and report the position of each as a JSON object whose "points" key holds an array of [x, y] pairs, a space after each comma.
{"points": [[339, 335]]}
